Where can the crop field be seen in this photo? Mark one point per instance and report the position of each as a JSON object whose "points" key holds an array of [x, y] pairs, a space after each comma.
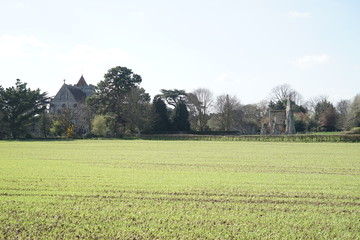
{"points": [[142, 189]]}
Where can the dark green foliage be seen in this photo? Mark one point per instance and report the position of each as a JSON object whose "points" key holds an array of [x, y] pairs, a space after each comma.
{"points": [[4, 126], [279, 105], [299, 109], [181, 117], [111, 91], [119, 80], [19, 106], [172, 97], [110, 95], [300, 125], [44, 124], [161, 121], [312, 125]]}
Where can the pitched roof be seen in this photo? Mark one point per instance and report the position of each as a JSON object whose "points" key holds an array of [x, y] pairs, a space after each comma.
{"points": [[77, 93], [82, 82]]}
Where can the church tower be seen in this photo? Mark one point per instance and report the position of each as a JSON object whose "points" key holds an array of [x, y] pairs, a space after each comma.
{"points": [[70, 96]]}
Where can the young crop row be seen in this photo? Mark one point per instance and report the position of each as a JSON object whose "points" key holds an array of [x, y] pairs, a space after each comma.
{"points": [[120, 189], [164, 215]]}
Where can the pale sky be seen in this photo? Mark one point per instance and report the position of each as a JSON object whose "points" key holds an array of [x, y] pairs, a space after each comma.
{"points": [[242, 48]]}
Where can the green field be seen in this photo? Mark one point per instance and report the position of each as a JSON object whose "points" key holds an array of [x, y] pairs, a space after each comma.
{"points": [[138, 189]]}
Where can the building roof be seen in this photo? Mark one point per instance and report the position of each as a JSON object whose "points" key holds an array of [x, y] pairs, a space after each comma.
{"points": [[82, 82], [77, 93]]}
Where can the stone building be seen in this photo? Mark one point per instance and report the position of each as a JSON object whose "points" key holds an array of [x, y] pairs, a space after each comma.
{"points": [[277, 121], [71, 96], [290, 121], [280, 121]]}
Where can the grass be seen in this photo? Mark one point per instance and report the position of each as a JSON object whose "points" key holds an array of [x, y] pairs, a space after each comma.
{"points": [[328, 133], [138, 189], [261, 138]]}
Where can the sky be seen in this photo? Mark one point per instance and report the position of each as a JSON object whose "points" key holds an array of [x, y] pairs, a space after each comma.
{"points": [[242, 48]]}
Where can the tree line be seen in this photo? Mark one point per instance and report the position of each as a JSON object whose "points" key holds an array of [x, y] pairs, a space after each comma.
{"points": [[121, 106]]}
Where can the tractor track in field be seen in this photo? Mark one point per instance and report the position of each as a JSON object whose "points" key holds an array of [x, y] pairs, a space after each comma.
{"points": [[200, 194], [247, 199]]}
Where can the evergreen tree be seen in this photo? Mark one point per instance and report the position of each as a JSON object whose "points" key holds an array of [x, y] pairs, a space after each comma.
{"points": [[181, 117], [161, 120], [19, 106], [172, 96], [111, 93]]}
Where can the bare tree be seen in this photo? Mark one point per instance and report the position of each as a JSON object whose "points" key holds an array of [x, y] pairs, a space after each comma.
{"points": [[200, 103], [354, 113], [227, 109], [136, 109], [263, 108], [342, 110], [281, 92], [313, 102], [327, 119], [83, 115]]}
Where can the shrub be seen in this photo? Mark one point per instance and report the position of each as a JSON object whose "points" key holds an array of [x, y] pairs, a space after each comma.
{"points": [[355, 130], [57, 128], [70, 133], [99, 126]]}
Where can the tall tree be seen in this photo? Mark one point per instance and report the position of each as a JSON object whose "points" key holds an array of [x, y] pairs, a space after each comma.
{"points": [[181, 117], [161, 121], [43, 124], [320, 107], [325, 115], [354, 113], [342, 110], [137, 109], [327, 119], [173, 96], [4, 127], [252, 116], [20, 105], [313, 102], [110, 94], [280, 94], [227, 109], [200, 102]]}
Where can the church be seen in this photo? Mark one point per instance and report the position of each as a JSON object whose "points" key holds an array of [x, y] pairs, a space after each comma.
{"points": [[71, 96]]}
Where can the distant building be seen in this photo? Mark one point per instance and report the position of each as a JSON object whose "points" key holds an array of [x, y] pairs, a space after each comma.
{"points": [[71, 96]]}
